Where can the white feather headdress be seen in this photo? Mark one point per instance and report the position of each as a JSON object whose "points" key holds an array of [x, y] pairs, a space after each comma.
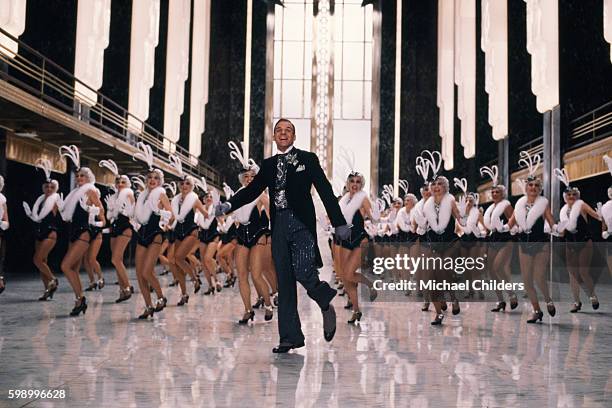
{"points": [[111, 165], [531, 162], [171, 186], [461, 184], [236, 153], [422, 168], [71, 152], [145, 154], [228, 191], [139, 182], [45, 165], [492, 172], [434, 161], [403, 185]]}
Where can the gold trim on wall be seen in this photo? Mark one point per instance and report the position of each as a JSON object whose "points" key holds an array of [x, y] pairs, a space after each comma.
{"points": [[586, 161], [27, 151]]}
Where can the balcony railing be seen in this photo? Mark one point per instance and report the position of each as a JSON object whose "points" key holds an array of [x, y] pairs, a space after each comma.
{"points": [[592, 126], [37, 75]]}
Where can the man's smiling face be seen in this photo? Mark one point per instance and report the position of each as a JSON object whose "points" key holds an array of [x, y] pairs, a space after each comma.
{"points": [[284, 135]]}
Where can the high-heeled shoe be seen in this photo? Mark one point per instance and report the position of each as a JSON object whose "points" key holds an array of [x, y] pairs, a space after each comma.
{"points": [[219, 287], [535, 316], [92, 286], [148, 312], [268, 313], [79, 306], [550, 307], [444, 306], [373, 294], [173, 283], [101, 283], [161, 304], [45, 296], [53, 285], [438, 320], [499, 307], [356, 317], [594, 302], [340, 286], [259, 303], [425, 307], [228, 282], [513, 302], [124, 294], [248, 315], [349, 305], [210, 291], [197, 285], [456, 309], [184, 300], [576, 308], [164, 272]]}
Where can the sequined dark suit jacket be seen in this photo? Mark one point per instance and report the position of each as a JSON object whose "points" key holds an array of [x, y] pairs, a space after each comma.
{"points": [[303, 172]]}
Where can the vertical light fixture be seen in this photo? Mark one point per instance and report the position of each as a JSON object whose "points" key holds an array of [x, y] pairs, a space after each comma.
{"points": [[398, 97], [247, 77], [607, 23], [177, 67], [446, 84], [465, 73], [144, 39], [92, 36], [543, 45], [12, 20], [322, 132], [494, 43]]}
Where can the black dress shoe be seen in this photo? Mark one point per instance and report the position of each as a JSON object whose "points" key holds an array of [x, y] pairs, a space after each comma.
{"points": [[285, 347], [329, 322]]}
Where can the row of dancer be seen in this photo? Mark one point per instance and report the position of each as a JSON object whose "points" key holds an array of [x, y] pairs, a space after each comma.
{"points": [[428, 225]]}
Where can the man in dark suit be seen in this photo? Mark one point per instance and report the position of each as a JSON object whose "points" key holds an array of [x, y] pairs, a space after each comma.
{"points": [[289, 177]]}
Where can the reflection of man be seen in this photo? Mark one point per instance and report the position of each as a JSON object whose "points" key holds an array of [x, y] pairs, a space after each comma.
{"points": [[289, 176]]}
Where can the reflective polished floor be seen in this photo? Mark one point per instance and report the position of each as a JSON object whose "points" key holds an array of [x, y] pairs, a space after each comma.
{"points": [[197, 356]]}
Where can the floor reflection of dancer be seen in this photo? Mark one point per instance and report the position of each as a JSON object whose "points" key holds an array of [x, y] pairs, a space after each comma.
{"points": [[153, 212], [209, 238], [499, 239], [574, 229], [527, 222], [46, 218], [120, 211], [419, 224], [441, 211], [80, 208], [605, 212], [184, 207], [251, 241], [355, 206]]}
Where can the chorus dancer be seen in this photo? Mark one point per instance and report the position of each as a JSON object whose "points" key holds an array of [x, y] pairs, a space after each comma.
{"points": [[528, 224], [227, 244], [499, 240], [605, 213], [168, 244], [154, 213], [208, 236], [4, 224], [120, 213], [356, 207], [469, 226], [90, 259], [289, 176], [574, 230], [47, 220], [419, 224], [184, 207], [407, 235], [80, 208], [441, 214], [251, 241]]}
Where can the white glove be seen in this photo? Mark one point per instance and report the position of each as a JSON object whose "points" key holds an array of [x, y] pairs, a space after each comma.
{"points": [[561, 226], [599, 207], [462, 206], [463, 221], [420, 219], [4, 225], [554, 231], [27, 210], [93, 210], [606, 234], [504, 228], [421, 231], [164, 218], [60, 202], [515, 230]]}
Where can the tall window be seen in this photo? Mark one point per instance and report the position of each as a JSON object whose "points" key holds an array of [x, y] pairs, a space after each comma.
{"points": [[353, 82], [293, 66]]}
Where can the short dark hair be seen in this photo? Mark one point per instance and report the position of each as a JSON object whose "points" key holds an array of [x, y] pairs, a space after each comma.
{"points": [[284, 120]]}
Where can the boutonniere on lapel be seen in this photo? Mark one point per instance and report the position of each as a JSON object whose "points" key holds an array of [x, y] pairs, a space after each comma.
{"points": [[292, 159]]}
